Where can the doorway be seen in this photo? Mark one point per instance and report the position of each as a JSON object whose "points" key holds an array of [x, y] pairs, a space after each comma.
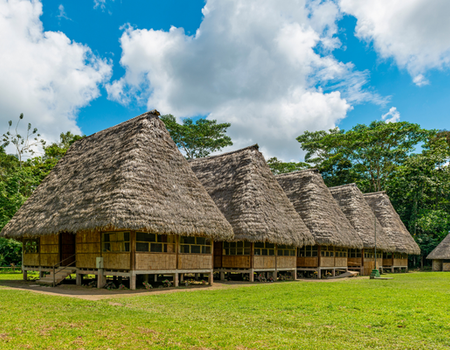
{"points": [[67, 248]]}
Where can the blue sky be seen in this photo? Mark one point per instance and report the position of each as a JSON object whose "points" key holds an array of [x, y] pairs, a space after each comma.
{"points": [[273, 70]]}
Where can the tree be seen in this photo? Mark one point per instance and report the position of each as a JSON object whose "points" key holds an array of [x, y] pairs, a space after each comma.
{"points": [[197, 139], [22, 144], [365, 154], [279, 167]]}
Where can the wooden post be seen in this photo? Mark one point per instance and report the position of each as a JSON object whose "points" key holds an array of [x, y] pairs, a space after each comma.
{"points": [[25, 275], [132, 250], [132, 280], [79, 279], [146, 278], [252, 275], [181, 277], [319, 273], [294, 275], [175, 279], [334, 272], [275, 278], [211, 278], [100, 278], [222, 275]]}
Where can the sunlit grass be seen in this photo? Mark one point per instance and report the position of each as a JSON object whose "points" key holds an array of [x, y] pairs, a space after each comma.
{"points": [[412, 311]]}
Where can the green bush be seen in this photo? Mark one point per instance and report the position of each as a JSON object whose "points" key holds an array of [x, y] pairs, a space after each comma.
{"points": [[10, 252]]}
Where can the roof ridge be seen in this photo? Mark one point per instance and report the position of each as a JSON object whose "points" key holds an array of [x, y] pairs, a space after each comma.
{"points": [[255, 146], [314, 170], [342, 186], [374, 193]]}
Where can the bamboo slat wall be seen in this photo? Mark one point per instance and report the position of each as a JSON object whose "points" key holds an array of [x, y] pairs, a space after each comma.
{"points": [[236, 261], [308, 262], [31, 259], [153, 261], [194, 261], [286, 262], [264, 262], [49, 250], [87, 249]]}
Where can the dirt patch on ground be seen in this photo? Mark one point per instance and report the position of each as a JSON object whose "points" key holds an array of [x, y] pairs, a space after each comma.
{"points": [[73, 291]]}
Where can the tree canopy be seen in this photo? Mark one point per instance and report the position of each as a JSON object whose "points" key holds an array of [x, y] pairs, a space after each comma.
{"points": [[197, 139]]}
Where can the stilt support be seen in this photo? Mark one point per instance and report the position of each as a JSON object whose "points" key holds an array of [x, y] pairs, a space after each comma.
{"points": [[79, 279], [175, 280], [132, 281]]}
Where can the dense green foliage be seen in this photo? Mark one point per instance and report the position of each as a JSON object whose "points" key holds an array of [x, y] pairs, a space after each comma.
{"points": [[279, 167], [381, 157], [197, 139], [409, 312], [19, 176]]}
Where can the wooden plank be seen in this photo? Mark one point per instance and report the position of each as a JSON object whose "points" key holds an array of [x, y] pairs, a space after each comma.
{"points": [[286, 261], [264, 262], [154, 261], [88, 248], [308, 261], [88, 237], [195, 261], [236, 261], [388, 262], [446, 267], [133, 250], [437, 265]]}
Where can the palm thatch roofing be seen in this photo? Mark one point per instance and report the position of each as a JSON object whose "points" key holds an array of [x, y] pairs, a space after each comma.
{"points": [[442, 251], [130, 176], [390, 220], [245, 190], [354, 206], [320, 212]]}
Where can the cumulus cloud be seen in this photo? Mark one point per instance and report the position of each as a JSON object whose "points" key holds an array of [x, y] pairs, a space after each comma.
{"points": [[62, 13], [393, 114], [43, 74], [265, 66], [414, 32]]}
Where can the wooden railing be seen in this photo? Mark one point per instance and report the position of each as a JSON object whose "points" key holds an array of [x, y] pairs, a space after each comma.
{"points": [[61, 268]]}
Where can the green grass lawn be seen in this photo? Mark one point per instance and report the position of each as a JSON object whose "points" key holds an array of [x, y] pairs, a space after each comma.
{"points": [[412, 311]]}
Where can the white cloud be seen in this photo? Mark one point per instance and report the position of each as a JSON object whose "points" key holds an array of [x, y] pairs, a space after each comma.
{"points": [[412, 32], [62, 12], [393, 114], [44, 75], [253, 63], [101, 4]]}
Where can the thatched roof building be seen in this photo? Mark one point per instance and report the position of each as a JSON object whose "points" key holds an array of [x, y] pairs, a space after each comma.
{"points": [[442, 251], [354, 206], [387, 216], [245, 190], [320, 212], [130, 176]]}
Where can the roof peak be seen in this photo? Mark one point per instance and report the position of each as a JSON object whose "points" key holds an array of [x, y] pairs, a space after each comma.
{"points": [[255, 146], [313, 170]]}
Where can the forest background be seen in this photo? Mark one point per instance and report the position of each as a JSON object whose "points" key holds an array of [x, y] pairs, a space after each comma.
{"points": [[410, 163]]}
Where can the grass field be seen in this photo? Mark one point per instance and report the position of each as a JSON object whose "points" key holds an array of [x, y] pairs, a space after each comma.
{"points": [[412, 311]]}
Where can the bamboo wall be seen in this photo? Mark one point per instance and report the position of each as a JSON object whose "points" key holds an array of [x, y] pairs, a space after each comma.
{"points": [[87, 249], [236, 261], [437, 265], [155, 261], [49, 250], [354, 262], [400, 262], [264, 262], [446, 266], [31, 259], [308, 261], [286, 262], [194, 261]]}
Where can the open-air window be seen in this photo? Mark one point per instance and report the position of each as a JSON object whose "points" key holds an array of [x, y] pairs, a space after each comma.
{"points": [[264, 248], [31, 246], [285, 250], [327, 251], [154, 243], [116, 242], [387, 255], [237, 248], [308, 251], [341, 252], [354, 253], [195, 245]]}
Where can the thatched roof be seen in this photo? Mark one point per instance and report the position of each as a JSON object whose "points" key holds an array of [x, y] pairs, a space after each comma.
{"points": [[320, 212], [387, 216], [130, 176], [442, 251], [245, 190], [354, 206]]}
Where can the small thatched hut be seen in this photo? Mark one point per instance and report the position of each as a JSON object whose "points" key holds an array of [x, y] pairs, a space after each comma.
{"points": [[332, 231], [121, 202], [374, 237], [266, 226], [396, 231], [441, 255]]}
